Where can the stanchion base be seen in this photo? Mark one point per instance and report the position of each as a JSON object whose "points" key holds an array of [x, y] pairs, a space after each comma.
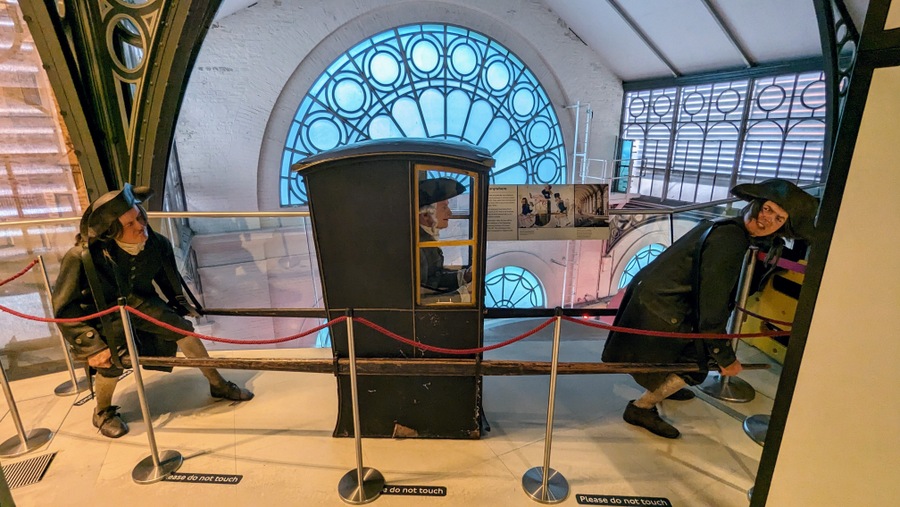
{"points": [[351, 492], [728, 388], [35, 439], [67, 388], [557, 485], [756, 427], [146, 473]]}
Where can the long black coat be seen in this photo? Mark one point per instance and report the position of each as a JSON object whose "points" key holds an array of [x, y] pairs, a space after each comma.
{"points": [[662, 297], [120, 275]]}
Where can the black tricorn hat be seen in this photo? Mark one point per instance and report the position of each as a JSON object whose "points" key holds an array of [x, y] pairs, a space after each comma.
{"points": [[107, 208], [800, 206], [438, 189]]}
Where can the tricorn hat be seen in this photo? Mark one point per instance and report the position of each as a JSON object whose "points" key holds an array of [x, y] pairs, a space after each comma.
{"points": [[800, 206], [438, 189], [101, 214]]}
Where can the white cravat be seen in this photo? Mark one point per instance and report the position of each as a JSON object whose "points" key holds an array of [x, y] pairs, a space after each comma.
{"points": [[132, 248]]}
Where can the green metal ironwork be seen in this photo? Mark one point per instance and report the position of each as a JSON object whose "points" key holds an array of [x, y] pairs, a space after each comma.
{"points": [[119, 69]]}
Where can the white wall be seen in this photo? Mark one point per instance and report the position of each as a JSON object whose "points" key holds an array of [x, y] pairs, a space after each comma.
{"points": [[841, 444], [256, 64]]}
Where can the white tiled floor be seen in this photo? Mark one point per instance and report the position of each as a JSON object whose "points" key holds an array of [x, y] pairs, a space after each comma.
{"points": [[281, 443]]}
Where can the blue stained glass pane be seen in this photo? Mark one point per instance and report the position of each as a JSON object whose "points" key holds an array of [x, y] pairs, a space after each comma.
{"points": [[497, 76], [406, 114], [546, 170], [509, 155], [463, 59], [382, 127], [324, 134], [384, 87], [433, 111], [479, 118], [643, 257], [496, 135], [523, 102], [539, 134], [384, 68], [513, 287], [509, 176], [425, 56], [457, 111], [349, 95]]}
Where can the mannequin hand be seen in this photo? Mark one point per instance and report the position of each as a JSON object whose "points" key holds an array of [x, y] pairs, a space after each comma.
{"points": [[732, 369], [101, 359]]}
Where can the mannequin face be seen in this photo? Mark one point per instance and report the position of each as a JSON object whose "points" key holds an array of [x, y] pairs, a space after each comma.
{"points": [[769, 219], [134, 228], [442, 214]]}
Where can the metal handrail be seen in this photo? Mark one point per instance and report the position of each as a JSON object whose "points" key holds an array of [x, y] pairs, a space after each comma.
{"points": [[691, 207], [167, 214]]}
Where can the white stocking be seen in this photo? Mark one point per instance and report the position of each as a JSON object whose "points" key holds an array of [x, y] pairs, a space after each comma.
{"points": [[667, 388]]}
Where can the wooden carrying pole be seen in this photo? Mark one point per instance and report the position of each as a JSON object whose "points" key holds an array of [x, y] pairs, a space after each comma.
{"points": [[425, 366]]}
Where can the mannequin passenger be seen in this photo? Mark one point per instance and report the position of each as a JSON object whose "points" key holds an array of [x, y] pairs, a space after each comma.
{"points": [[437, 282]]}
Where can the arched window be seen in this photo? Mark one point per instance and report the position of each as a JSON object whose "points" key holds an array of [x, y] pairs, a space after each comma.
{"points": [[513, 287], [643, 257], [430, 81]]}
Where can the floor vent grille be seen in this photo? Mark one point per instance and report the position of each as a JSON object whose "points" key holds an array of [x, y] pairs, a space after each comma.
{"points": [[29, 471]]}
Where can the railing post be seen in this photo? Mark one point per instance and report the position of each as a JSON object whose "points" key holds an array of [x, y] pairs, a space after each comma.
{"points": [[734, 388], [756, 426], [21, 443], [361, 485], [155, 467], [73, 386], [544, 484]]}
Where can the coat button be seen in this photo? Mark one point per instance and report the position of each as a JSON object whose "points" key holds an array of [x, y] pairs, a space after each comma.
{"points": [[90, 334], [716, 350], [673, 320], [78, 341]]}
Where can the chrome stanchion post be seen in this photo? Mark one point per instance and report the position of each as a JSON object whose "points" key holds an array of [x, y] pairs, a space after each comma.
{"points": [[544, 484], [361, 485], [756, 427], [734, 388], [73, 386], [21, 443], [155, 467]]}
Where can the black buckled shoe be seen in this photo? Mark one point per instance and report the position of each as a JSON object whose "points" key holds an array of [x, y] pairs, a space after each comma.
{"points": [[109, 422], [682, 394], [648, 418], [230, 391]]}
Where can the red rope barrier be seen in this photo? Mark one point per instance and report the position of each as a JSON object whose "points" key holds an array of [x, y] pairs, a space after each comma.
{"points": [[170, 327], [229, 340], [766, 319], [443, 350], [64, 321], [390, 334], [20, 273], [672, 334]]}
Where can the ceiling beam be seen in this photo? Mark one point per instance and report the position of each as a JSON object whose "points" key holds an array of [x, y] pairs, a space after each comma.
{"points": [[644, 37], [729, 33]]}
